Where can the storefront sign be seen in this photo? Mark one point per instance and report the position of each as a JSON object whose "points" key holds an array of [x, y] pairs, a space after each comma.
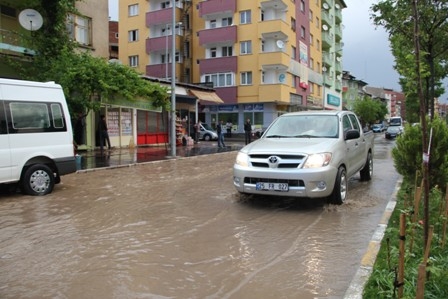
{"points": [[333, 100]]}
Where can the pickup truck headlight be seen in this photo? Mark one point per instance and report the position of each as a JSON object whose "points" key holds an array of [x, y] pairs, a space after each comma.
{"points": [[317, 160], [242, 159]]}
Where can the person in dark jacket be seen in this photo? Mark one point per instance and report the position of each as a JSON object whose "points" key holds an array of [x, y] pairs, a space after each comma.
{"points": [[220, 131], [103, 133], [248, 131]]}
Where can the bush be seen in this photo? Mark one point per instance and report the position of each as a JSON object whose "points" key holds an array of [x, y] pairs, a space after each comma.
{"points": [[407, 153]]}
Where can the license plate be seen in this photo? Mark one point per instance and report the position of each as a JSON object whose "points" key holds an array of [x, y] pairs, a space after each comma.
{"points": [[272, 186]]}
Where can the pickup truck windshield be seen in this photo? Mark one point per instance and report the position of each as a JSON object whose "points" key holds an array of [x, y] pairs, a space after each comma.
{"points": [[304, 126]]}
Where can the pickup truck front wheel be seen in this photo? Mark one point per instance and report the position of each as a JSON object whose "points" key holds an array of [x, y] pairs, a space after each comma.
{"points": [[367, 172], [340, 188]]}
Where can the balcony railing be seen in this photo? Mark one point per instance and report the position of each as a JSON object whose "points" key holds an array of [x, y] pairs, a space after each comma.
{"points": [[14, 42], [216, 7], [218, 35]]}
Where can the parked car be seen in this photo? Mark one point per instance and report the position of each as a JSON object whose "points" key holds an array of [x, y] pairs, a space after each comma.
{"points": [[378, 128], [393, 132], [207, 133]]}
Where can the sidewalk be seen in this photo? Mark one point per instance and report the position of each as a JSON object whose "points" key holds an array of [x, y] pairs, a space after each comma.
{"points": [[118, 157]]}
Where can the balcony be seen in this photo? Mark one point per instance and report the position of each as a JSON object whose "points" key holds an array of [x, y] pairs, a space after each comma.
{"points": [[277, 29], [216, 7], [217, 65], [338, 33], [163, 70], [163, 16], [219, 35], [326, 18], [162, 43], [327, 40], [273, 58], [278, 93], [14, 43]]}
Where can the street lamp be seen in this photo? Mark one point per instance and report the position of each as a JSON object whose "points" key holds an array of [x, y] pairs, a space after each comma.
{"points": [[173, 83]]}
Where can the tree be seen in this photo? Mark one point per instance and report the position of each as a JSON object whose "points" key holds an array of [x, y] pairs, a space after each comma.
{"points": [[396, 17], [85, 79], [369, 111]]}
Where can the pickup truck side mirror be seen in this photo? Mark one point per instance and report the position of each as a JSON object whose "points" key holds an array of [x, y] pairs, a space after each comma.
{"points": [[352, 134]]}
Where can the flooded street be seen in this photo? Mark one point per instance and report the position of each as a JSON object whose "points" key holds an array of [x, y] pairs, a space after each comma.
{"points": [[178, 229]]}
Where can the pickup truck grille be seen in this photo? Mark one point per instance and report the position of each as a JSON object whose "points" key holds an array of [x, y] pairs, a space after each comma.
{"points": [[291, 183], [276, 161]]}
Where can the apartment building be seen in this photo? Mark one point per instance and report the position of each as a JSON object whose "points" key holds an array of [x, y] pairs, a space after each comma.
{"points": [[263, 58]]}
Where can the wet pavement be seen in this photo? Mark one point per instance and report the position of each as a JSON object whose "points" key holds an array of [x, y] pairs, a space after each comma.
{"points": [[178, 229], [119, 157]]}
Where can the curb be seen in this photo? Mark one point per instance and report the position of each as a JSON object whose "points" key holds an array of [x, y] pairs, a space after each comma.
{"points": [[358, 282]]}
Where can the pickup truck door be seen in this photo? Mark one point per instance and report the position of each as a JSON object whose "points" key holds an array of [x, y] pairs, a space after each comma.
{"points": [[356, 148]]}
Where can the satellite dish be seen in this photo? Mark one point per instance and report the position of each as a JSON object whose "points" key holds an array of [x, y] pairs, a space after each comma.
{"points": [[282, 78], [338, 58], [338, 77], [337, 6], [325, 27], [325, 6], [30, 19], [280, 44]]}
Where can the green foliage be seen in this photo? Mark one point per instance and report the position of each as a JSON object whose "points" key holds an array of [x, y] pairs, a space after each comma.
{"points": [[407, 153], [369, 111], [86, 80], [381, 283]]}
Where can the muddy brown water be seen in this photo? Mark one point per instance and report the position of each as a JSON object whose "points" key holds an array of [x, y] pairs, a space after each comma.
{"points": [[178, 229]]}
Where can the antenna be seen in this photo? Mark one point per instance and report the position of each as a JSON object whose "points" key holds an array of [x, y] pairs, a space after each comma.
{"points": [[325, 27], [280, 44], [30, 19]]}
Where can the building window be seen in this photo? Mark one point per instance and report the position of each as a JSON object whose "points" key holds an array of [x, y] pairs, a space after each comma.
{"points": [[245, 17], [317, 22], [302, 32], [311, 16], [293, 52], [226, 22], [302, 5], [246, 47], [220, 79], [293, 24], [227, 51], [166, 4], [133, 10], [212, 52], [293, 79], [133, 61], [311, 40], [246, 78], [318, 45], [80, 29], [312, 63], [212, 23], [311, 85], [133, 35]]}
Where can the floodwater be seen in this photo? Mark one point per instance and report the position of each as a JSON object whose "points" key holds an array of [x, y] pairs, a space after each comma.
{"points": [[178, 229]]}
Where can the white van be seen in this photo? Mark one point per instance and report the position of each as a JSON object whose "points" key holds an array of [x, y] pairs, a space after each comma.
{"points": [[36, 139]]}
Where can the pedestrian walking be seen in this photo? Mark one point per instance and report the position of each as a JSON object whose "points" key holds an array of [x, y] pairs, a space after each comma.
{"points": [[229, 128], [248, 131], [103, 133], [220, 131]]}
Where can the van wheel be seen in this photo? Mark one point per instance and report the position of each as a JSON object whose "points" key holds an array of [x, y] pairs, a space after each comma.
{"points": [[207, 137], [340, 188], [367, 172], [38, 180]]}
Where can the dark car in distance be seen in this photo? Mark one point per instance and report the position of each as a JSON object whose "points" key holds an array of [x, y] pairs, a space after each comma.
{"points": [[393, 132]]}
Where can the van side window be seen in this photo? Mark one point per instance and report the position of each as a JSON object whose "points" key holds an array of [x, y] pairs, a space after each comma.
{"points": [[34, 117], [58, 119]]}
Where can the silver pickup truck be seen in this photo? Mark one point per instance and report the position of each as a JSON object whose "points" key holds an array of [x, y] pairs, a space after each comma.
{"points": [[306, 154]]}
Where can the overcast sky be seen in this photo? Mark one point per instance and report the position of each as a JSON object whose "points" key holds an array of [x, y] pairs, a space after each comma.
{"points": [[366, 53]]}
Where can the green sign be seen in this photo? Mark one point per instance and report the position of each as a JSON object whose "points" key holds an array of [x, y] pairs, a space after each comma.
{"points": [[333, 100]]}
